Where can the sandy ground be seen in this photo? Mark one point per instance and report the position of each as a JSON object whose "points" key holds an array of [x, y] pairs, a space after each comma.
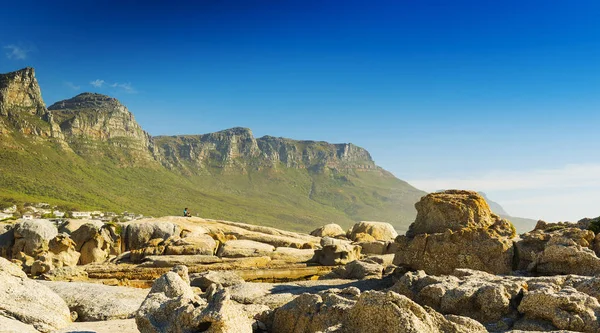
{"points": [[110, 326]]}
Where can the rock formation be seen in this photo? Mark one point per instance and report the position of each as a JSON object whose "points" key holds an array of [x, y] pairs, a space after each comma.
{"points": [[456, 229]]}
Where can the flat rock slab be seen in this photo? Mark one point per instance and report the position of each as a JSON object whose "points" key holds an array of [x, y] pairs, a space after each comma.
{"points": [[94, 302], [173, 260], [109, 326]]}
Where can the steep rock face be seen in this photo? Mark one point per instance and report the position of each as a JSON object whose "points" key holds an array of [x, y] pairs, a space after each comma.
{"points": [[22, 107], [89, 118], [237, 147]]}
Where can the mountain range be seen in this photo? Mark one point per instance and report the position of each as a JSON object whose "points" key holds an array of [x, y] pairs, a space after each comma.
{"points": [[88, 152]]}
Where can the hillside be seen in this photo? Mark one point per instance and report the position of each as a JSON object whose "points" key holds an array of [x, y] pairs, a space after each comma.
{"points": [[89, 152], [521, 224]]}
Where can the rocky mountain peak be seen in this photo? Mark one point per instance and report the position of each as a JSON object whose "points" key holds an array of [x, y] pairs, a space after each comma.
{"points": [[20, 90], [89, 102]]}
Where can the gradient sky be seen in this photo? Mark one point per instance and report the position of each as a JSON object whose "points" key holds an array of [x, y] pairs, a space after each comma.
{"points": [[497, 96]]}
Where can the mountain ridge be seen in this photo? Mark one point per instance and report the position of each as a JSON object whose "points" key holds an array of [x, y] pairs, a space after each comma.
{"points": [[111, 162]]}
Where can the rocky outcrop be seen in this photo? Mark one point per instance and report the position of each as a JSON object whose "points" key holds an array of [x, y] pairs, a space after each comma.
{"points": [[172, 307], [371, 311], [329, 230], [95, 302], [378, 230], [29, 302], [224, 278], [233, 148], [558, 249], [22, 107], [336, 252], [453, 210], [472, 237]]}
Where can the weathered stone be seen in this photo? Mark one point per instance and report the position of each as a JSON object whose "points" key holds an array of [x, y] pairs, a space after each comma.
{"points": [[198, 244], [357, 269], [139, 233], [33, 236], [379, 230], [479, 249], [97, 242], [291, 255], [558, 251], [205, 279], [94, 302], [451, 209], [329, 230], [566, 309], [30, 302], [7, 240], [244, 248], [335, 252]]}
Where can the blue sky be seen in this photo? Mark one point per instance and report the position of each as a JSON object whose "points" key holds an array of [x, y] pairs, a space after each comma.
{"points": [[485, 95]]}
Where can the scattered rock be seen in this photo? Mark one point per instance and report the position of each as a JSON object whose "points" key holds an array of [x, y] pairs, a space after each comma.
{"points": [[291, 255], [379, 230], [336, 252], [198, 244]]}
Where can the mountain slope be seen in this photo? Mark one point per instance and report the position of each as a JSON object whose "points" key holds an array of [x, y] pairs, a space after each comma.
{"points": [[521, 224], [88, 152]]}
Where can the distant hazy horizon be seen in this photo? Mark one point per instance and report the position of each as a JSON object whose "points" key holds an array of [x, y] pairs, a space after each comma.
{"points": [[499, 97]]}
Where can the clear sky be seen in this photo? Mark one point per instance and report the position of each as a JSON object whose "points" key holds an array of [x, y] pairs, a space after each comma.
{"points": [[497, 96]]}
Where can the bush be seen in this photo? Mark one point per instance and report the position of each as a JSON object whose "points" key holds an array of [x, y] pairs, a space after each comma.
{"points": [[595, 225]]}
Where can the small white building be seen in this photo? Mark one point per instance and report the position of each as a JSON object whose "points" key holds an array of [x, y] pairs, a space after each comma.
{"points": [[82, 215], [27, 216], [5, 216], [58, 213]]}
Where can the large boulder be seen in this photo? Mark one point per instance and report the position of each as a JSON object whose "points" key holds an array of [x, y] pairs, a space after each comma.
{"points": [[291, 255], [138, 234], [245, 248], [200, 244], [329, 230], [378, 230], [451, 209], [97, 241], [560, 249], [336, 252], [61, 253], [96, 302], [29, 302], [440, 246], [33, 236], [172, 307]]}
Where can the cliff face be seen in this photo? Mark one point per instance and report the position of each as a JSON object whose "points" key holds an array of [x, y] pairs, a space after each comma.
{"points": [[91, 120], [22, 108], [237, 148]]}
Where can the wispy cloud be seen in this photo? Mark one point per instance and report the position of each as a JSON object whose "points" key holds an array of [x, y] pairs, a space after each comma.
{"points": [[121, 87], [72, 86], [17, 52], [97, 83], [569, 176], [566, 193]]}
